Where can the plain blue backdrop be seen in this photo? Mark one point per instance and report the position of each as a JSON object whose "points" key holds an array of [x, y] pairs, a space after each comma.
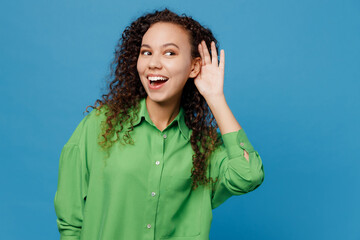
{"points": [[291, 79]]}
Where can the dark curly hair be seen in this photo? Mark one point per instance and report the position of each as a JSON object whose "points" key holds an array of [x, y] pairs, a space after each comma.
{"points": [[126, 91]]}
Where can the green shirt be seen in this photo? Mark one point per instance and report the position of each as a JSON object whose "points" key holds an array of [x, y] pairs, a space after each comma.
{"points": [[143, 191]]}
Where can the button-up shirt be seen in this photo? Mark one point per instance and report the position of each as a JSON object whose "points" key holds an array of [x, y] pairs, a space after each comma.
{"points": [[143, 191]]}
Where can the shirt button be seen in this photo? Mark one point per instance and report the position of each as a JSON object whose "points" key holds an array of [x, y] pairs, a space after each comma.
{"points": [[157, 162], [148, 226], [153, 194], [164, 136], [242, 144]]}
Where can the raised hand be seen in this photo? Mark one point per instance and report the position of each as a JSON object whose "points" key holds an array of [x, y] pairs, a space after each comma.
{"points": [[210, 80]]}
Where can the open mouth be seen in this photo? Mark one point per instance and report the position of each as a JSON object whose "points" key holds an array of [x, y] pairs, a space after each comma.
{"points": [[157, 81]]}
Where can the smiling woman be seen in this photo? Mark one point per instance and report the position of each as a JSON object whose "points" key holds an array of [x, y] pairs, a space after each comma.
{"points": [[147, 162], [165, 59]]}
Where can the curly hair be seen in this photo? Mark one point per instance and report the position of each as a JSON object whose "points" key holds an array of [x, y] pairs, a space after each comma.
{"points": [[126, 91]]}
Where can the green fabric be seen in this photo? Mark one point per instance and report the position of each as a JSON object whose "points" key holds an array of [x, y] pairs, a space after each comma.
{"points": [[143, 191]]}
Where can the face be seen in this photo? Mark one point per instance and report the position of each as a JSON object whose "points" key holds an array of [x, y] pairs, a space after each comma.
{"points": [[165, 59]]}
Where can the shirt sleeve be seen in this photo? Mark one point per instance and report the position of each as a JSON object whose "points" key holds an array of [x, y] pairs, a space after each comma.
{"points": [[235, 174], [71, 192]]}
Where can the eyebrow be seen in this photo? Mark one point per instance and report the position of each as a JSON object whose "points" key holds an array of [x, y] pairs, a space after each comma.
{"points": [[165, 45]]}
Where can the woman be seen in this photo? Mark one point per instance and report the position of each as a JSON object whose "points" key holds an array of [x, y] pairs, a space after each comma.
{"points": [[147, 162]]}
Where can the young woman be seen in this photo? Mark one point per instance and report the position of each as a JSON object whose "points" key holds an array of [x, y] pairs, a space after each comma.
{"points": [[147, 162]]}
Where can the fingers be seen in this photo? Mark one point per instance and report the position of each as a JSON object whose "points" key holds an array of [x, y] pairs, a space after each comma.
{"points": [[222, 59], [214, 57], [205, 55], [201, 54]]}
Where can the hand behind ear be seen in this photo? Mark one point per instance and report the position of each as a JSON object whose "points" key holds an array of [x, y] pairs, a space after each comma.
{"points": [[210, 80]]}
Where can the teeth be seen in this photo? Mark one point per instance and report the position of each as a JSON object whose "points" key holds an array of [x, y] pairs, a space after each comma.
{"points": [[156, 78]]}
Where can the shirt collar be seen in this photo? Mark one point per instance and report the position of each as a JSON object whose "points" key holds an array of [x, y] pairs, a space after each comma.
{"points": [[180, 119]]}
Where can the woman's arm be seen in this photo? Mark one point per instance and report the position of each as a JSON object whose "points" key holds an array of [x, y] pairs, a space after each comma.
{"points": [[238, 166], [71, 192], [236, 174], [224, 117], [210, 83], [72, 185]]}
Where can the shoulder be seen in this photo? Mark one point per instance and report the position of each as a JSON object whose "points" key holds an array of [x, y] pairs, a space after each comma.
{"points": [[89, 126], [96, 115]]}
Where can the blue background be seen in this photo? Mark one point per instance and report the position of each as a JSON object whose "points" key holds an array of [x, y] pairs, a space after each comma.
{"points": [[291, 79]]}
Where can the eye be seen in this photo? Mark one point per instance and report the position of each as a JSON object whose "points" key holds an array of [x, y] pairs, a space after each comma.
{"points": [[171, 53], [144, 52]]}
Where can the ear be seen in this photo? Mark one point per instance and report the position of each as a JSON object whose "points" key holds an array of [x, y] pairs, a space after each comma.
{"points": [[195, 67]]}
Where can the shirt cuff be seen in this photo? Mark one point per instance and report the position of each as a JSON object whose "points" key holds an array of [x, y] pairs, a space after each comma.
{"points": [[236, 142]]}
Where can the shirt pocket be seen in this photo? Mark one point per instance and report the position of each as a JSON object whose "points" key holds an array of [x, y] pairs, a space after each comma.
{"points": [[182, 208]]}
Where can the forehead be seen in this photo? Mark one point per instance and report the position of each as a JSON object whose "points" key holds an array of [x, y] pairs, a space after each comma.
{"points": [[162, 32]]}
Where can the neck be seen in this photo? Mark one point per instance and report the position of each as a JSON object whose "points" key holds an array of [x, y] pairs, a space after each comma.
{"points": [[162, 114]]}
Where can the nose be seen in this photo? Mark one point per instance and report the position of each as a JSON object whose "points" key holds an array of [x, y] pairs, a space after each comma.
{"points": [[155, 61]]}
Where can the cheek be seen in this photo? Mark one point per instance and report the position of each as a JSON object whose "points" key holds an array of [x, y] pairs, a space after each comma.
{"points": [[180, 68], [139, 66]]}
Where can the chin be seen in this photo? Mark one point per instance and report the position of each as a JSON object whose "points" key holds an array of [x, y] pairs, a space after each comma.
{"points": [[158, 99]]}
